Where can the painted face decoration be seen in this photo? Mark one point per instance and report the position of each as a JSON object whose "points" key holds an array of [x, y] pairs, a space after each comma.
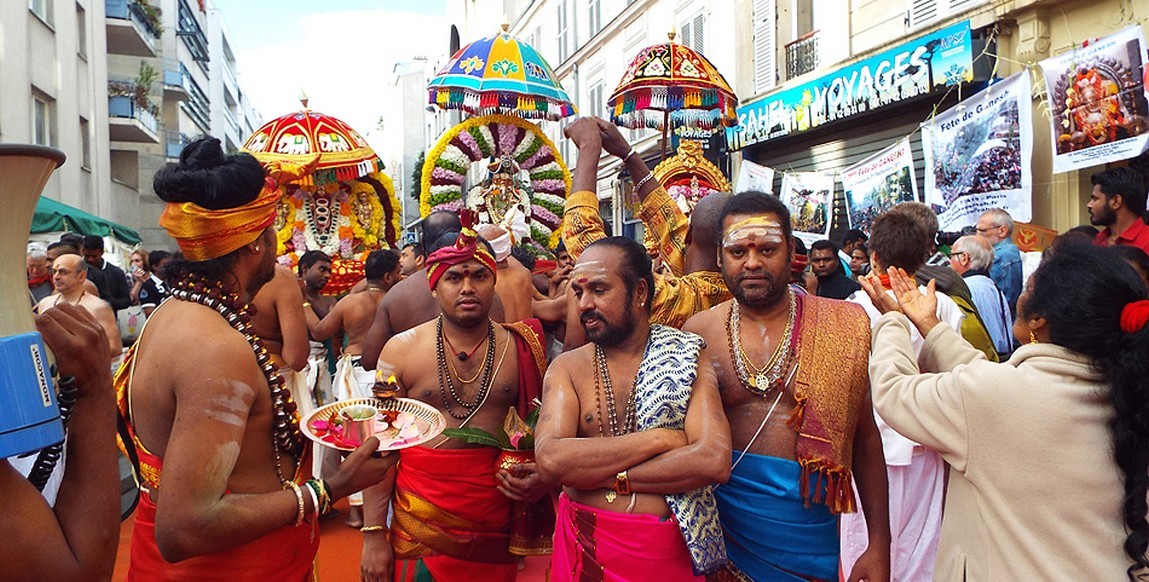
{"points": [[582, 273], [752, 232]]}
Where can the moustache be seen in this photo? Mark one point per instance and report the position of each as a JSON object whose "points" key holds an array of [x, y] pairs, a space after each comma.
{"points": [[590, 315]]}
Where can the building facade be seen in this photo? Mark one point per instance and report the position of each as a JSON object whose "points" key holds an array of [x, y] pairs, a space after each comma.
{"points": [[119, 86], [52, 92], [801, 45]]}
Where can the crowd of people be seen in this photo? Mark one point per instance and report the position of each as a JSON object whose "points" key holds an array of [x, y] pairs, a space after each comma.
{"points": [[878, 409]]}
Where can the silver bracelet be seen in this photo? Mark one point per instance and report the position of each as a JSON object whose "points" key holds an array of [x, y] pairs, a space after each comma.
{"points": [[626, 158], [642, 182]]}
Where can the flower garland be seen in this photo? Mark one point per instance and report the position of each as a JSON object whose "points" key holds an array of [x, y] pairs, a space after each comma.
{"points": [[447, 164], [369, 236], [289, 226], [337, 240]]}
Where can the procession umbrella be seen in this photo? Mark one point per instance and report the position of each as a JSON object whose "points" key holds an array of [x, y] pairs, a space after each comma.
{"points": [[500, 75], [297, 137], [345, 159], [671, 85]]}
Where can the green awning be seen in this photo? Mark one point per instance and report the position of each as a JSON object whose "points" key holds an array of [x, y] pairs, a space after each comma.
{"points": [[55, 216]]}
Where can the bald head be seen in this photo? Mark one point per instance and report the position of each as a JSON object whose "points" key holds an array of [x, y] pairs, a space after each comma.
{"points": [[704, 225], [69, 273], [490, 232], [439, 223]]}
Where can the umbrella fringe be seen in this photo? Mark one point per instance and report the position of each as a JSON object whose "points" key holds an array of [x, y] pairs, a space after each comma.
{"points": [[499, 102]]}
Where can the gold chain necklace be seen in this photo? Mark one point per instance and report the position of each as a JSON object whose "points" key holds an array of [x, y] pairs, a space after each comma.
{"points": [[769, 376]]}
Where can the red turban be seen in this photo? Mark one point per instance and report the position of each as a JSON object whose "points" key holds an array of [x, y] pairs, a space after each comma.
{"points": [[466, 248]]}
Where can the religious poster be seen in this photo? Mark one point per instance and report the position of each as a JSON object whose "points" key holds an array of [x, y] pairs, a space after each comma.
{"points": [[753, 176], [1097, 101], [809, 195], [977, 155], [876, 184]]}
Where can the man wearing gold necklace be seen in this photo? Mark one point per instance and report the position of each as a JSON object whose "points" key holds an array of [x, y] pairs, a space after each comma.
{"points": [[69, 275], [792, 372], [452, 516], [632, 428]]}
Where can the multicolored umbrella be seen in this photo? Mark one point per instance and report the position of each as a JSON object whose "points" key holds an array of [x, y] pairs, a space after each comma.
{"points": [[671, 84], [296, 137], [500, 75]]}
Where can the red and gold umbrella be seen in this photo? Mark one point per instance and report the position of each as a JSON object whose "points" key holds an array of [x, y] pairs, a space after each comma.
{"points": [[297, 137], [670, 85]]}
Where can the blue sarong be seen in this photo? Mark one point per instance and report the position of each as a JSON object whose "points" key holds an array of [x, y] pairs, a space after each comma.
{"points": [[770, 534]]}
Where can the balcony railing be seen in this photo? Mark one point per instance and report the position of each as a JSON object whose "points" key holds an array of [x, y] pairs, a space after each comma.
{"points": [[232, 124], [174, 143], [128, 107], [190, 31], [802, 55], [143, 15]]}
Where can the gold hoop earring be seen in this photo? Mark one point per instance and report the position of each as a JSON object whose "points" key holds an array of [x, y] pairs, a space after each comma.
{"points": [[1033, 337]]}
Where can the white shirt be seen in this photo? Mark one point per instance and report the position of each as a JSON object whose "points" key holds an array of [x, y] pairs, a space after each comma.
{"points": [[898, 449]]}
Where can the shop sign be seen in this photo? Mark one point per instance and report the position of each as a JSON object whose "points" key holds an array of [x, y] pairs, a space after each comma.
{"points": [[915, 68]]}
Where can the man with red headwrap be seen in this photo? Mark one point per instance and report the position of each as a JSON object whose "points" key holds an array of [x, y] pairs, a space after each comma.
{"points": [[452, 504]]}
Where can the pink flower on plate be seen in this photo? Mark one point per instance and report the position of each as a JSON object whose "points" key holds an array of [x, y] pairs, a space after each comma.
{"points": [[515, 438]]}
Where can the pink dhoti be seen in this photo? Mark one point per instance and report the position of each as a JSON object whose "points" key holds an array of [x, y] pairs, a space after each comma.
{"points": [[594, 544]]}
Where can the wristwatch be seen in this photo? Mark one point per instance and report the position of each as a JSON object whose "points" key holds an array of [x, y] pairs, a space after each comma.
{"points": [[622, 483]]}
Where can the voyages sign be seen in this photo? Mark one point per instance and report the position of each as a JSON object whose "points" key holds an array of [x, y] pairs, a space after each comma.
{"points": [[918, 67]]}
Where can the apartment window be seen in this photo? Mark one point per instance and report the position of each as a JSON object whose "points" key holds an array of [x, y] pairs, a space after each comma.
{"points": [[764, 46], [594, 14], [43, 120], [85, 145], [693, 32], [42, 9], [81, 31], [595, 100], [923, 12], [561, 19]]}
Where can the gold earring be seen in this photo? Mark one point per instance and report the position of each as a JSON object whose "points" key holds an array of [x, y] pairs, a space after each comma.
{"points": [[1033, 337]]}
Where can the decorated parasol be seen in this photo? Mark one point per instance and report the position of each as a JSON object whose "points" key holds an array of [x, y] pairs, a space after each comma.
{"points": [[345, 208], [296, 137], [669, 86], [500, 75]]}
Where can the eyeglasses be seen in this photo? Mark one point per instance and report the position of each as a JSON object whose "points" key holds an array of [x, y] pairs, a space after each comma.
{"points": [[956, 255]]}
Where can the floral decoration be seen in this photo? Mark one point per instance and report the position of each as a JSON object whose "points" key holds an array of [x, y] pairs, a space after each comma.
{"points": [[448, 163]]}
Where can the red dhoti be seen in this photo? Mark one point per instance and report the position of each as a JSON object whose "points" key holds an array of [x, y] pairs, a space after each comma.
{"points": [[449, 514]]}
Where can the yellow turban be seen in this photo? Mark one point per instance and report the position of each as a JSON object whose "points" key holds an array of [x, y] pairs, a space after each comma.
{"points": [[203, 234]]}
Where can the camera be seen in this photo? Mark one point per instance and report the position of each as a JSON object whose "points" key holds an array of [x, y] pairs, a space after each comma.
{"points": [[948, 238]]}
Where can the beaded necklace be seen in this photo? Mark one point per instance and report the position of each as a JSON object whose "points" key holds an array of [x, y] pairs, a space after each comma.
{"points": [[286, 436], [769, 376], [602, 384], [447, 383]]}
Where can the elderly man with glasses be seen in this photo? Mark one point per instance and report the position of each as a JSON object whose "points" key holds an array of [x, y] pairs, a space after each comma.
{"points": [[971, 258], [996, 227]]}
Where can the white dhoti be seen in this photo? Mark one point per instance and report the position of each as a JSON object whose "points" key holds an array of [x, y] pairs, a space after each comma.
{"points": [[304, 387], [318, 374], [351, 380], [915, 519]]}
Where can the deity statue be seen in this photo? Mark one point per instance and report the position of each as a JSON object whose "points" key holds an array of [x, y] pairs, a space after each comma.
{"points": [[503, 198]]}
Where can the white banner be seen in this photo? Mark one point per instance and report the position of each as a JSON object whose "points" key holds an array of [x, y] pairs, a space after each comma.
{"points": [[809, 195], [977, 155], [876, 184], [753, 176], [1097, 101]]}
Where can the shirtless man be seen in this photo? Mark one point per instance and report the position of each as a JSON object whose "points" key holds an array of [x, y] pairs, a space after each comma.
{"points": [[632, 427], [70, 275], [216, 432], [353, 315], [514, 286], [409, 302], [452, 509], [314, 273], [801, 418]]}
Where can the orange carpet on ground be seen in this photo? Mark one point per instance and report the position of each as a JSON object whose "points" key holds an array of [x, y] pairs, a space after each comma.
{"points": [[339, 551]]}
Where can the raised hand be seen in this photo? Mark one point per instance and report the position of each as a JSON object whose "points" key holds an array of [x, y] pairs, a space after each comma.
{"points": [[584, 132], [612, 140], [882, 301], [921, 309]]}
